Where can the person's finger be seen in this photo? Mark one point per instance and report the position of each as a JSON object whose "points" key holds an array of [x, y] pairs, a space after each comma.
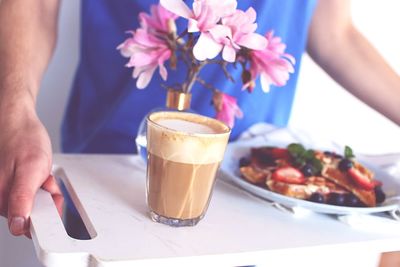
{"points": [[51, 186], [3, 196], [6, 170], [28, 177]]}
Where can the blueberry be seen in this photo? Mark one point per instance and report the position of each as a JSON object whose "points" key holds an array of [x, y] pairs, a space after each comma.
{"points": [[337, 156], [352, 201], [345, 164], [307, 170], [317, 197], [336, 199], [328, 153], [244, 161], [379, 194]]}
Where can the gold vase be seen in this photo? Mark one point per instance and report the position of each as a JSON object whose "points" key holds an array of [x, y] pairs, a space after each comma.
{"points": [[178, 100]]}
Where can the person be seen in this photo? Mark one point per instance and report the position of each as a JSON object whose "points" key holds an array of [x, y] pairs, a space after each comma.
{"points": [[104, 109]]}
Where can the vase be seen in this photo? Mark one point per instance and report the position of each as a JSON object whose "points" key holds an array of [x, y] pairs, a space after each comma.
{"points": [[175, 101]]}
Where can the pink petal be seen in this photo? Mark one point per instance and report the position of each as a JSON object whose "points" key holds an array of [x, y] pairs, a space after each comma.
{"points": [[206, 47], [253, 41], [163, 71], [145, 77], [126, 48], [144, 38], [143, 59], [248, 28], [251, 15], [278, 76], [177, 7], [290, 58], [229, 110], [219, 32], [223, 7], [137, 70]]}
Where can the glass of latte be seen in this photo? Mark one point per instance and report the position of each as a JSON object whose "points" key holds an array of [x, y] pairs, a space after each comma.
{"points": [[184, 151]]}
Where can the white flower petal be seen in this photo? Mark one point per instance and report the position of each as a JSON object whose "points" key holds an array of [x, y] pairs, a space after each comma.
{"points": [[163, 72], [192, 26], [265, 82], [229, 53], [206, 47]]}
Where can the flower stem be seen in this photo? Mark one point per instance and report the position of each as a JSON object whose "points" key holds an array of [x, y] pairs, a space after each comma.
{"points": [[193, 73], [207, 85]]}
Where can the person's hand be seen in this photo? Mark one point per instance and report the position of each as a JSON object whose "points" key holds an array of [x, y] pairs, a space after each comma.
{"points": [[25, 165]]}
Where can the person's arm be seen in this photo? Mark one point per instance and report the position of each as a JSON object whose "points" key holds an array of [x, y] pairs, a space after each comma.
{"points": [[27, 39], [346, 55]]}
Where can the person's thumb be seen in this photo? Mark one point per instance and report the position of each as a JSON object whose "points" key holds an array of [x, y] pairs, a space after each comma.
{"points": [[28, 177]]}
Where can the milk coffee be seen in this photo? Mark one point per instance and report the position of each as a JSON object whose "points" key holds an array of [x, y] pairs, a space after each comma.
{"points": [[184, 153]]}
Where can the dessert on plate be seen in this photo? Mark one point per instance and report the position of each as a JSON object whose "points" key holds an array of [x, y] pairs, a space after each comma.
{"points": [[319, 176]]}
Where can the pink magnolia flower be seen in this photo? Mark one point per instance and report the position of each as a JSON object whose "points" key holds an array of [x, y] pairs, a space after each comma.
{"points": [[272, 64], [227, 108], [160, 20], [205, 14], [204, 17], [146, 53], [236, 30]]}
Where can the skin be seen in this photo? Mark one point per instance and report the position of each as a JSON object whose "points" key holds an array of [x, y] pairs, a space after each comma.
{"points": [[337, 46], [25, 148]]}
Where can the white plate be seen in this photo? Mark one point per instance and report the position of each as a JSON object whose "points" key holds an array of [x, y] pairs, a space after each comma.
{"points": [[237, 150]]}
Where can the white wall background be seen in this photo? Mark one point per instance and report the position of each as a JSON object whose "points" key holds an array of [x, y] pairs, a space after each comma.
{"points": [[321, 105]]}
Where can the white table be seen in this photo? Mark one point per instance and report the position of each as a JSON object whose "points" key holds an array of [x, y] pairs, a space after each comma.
{"points": [[238, 229]]}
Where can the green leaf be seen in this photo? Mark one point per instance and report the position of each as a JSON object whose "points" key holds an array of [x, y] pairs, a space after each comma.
{"points": [[309, 154], [299, 161], [296, 150], [301, 156], [317, 165], [348, 152]]}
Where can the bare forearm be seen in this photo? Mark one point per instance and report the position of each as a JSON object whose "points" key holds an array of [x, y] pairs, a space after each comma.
{"points": [[27, 39], [358, 67], [347, 56]]}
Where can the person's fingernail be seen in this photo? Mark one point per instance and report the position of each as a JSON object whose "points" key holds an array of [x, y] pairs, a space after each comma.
{"points": [[17, 225]]}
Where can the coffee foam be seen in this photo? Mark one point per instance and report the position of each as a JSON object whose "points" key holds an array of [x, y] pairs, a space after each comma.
{"points": [[195, 139], [186, 126]]}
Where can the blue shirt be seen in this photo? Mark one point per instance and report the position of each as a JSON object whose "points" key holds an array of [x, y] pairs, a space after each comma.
{"points": [[105, 108]]}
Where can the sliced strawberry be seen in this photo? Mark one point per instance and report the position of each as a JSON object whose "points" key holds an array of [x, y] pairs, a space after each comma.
{"points": [[288, 175], [361, 179]]}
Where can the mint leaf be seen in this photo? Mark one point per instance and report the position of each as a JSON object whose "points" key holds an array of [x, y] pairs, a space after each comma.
{"points": [[309, 154], [317, 165], [296, 150], [348, 152]]}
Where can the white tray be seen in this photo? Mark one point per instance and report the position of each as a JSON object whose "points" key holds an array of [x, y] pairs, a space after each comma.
{"points": [[238, 229]]}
